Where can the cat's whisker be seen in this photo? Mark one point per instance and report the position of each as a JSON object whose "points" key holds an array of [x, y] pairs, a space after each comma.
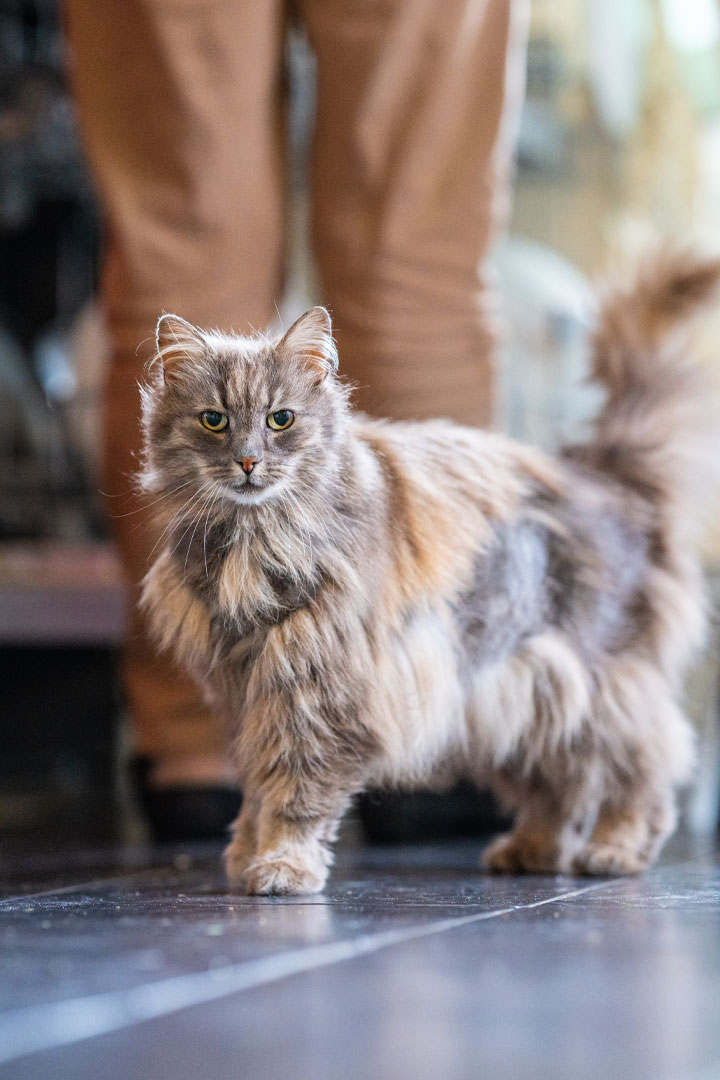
{"points": [[302, 522], [189, 500], [303, 499], [210, 492], [311, 498], [146, 506], [328, 532], [213, 500], [197, 500], [218, 491], [198, 509], [167, 531], [170, 525]]}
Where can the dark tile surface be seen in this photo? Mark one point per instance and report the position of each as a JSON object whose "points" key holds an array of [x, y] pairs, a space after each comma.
{"points": [[413, 964]]}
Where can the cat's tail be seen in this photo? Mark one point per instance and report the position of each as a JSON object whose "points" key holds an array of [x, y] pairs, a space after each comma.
{"points": [[659, 430]]}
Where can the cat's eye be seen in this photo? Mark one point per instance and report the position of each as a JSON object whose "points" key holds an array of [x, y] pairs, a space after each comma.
{"points": [[280, 420], [214, 421]]}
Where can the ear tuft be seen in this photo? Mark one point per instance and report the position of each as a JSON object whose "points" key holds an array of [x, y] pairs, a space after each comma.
{"points": [[177, 341], [310, 340]]}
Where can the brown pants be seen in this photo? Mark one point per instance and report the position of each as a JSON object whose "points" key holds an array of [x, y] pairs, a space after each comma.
{"points": [[181, 105]]}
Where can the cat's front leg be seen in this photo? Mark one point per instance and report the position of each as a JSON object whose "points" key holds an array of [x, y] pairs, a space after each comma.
{"points": [[293, 859], [306, 745], [240, 852], [281, 839], [293, 855]]}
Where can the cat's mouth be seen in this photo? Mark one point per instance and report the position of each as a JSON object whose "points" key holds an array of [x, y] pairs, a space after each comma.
{"points": [[249, 493]]}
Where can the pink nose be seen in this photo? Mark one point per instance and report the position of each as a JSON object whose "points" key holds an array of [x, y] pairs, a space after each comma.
{"points": [[247, 464]]}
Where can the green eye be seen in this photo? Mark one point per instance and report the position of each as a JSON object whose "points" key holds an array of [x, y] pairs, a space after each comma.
{"points": [[280, 420], [214, 421]]}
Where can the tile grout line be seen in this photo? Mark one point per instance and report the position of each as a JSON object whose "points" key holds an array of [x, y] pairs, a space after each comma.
{"points": [[17, 899], [116, 873], [37, 1028]]}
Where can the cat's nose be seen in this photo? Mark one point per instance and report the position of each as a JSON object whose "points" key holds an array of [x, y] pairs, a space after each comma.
{"points": [[247, 464]]}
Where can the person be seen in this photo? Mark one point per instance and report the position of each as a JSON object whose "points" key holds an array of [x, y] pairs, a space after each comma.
{"points": [[182, 107]]}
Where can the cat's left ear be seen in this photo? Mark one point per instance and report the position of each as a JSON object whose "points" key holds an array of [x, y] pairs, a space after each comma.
{"points": [[177, 341], [310, 340]]}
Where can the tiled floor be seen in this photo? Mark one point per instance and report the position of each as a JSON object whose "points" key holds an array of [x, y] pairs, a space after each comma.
{"points": [[413, 965]]}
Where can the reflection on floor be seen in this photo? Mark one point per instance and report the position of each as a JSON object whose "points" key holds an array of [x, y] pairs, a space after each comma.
{"points": [[414, 964]]}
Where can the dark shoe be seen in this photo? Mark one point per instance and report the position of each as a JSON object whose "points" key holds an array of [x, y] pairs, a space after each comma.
{"points": [[182, 814]]}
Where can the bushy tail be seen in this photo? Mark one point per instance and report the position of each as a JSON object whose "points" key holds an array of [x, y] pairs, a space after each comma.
{"points": [[659, 431]]}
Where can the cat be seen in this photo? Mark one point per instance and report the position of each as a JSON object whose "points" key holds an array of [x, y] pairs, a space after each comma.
{"points": [[376, 603]]}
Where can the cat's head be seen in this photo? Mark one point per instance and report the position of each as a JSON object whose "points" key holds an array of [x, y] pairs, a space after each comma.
{"points": [[241, 421]]}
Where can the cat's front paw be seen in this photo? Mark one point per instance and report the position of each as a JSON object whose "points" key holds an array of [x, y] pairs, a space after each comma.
{"points": [[606, 860], [284, 877], [511, 854], [238, 858]]}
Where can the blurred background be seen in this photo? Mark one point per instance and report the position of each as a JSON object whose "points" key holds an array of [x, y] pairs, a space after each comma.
{"points": [[619, 146]]}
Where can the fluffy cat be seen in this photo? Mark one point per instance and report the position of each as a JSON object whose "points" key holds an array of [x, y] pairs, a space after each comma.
{"points": [[374, 603]]}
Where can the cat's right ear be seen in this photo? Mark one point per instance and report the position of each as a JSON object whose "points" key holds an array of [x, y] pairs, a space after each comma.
{"points": [[177, 341]]}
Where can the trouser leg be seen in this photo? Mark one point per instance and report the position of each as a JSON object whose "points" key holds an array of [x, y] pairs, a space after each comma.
{"points": [[180, 106], [417, 102]]}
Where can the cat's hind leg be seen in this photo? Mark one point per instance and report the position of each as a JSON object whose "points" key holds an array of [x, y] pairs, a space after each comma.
{"points": [[644, 746], [629, 832], [548, 830]]}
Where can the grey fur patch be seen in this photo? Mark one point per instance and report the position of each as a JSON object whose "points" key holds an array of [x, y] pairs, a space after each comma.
{"points": [[509, 596]]}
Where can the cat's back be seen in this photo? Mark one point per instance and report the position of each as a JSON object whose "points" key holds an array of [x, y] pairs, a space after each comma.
{"points": [[424, 440], [464, 470], [451, 495]]}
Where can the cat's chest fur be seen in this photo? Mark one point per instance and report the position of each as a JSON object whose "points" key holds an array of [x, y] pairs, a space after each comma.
{"points": [[249, 579]]}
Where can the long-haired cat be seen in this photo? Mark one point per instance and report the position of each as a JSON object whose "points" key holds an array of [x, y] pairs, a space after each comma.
{"points": [[375, 603]]}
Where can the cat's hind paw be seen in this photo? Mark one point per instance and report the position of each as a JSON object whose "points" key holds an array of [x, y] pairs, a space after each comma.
{"points": [[511, 854], [606, 860]]}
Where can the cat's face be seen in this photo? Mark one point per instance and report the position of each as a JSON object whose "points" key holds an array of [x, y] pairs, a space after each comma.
{"points": [[239, 422]]}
